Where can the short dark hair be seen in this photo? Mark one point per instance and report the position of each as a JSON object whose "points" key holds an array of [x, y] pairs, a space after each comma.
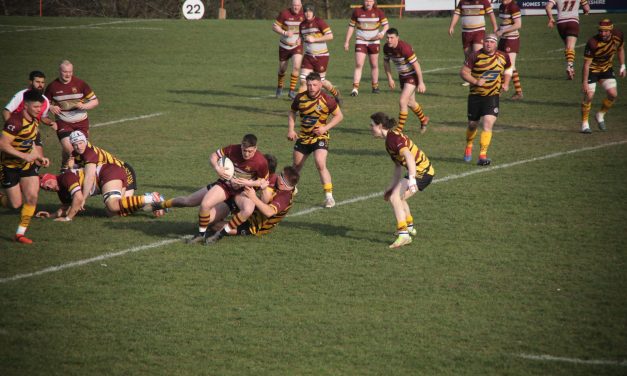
{"points": [[291, 175], [383, 119], [39, 74], [313, 76], [272, 162], [249, 140], [392, 31], [33, 96]]}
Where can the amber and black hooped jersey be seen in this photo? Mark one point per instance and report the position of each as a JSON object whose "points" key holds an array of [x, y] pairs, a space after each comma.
{"points": [[396, 141], [602, 52], [96, 155], [314, 113], [490, 67], [281, 202], [24, 133]]}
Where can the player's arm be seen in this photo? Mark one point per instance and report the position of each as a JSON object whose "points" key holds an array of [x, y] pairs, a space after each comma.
{"points": [[88, 104], [388, 73], [337, 118], [41, 160], [77, 205], [88, 182], [495, 26], [6, 114], [213, 161], [585, 74], [291, 123], [451, 28], [410, 161], [324, 38], [513, 27], [466, 74], [421, 88], [61, 212], [381, 34], [349, 35], [549, 13], [279, 30], [5, 146], [267, 210], [586, 7], [621, 60]]}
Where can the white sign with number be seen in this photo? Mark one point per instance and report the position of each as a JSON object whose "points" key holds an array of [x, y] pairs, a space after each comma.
{"points": [[193, 9]]}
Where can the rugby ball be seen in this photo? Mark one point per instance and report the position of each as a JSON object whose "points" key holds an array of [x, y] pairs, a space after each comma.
{"points": [[227, 165]]}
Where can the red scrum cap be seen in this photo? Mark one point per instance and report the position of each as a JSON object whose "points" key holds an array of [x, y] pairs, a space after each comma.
{"points": [[43, 179]]}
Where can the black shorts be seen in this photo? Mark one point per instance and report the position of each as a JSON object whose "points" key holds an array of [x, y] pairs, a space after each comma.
{"points": [[596, 77], [10, 177], [310, 148], [422, 181], [131, 177], [479, 106]]}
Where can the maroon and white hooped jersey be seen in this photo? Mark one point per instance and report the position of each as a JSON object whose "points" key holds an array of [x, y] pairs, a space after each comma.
{"points": [[289, 21], [315, 27], [402, 56], [76, 89], [253, 168], [367, 23]]}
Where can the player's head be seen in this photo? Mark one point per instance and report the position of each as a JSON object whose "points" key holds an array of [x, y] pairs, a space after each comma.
{"points": [[489, 43], [49, 182], [249, 145], [33, 102], [605, 28], [272, 162], [309, 10], [392, 37], [78, 141], [289, 177], [314, 84], [37, 80], [380, 122], [296, 6], [369, 4], [66, 71]]}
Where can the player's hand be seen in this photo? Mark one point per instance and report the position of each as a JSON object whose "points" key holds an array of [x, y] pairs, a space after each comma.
{"points": [[289, 33], [63, 219], [623, 71], [451, 30], [55, 109], [263, 184], [222, 173], [391, 83], [239, 182], [292, 135], [505, 87], [320, 131], [499, 33], [43, 162], [585, 88], [310, 39], [421, 88], [42, 214], [30, 157], [480, 82], [249, 192], [54, 125], [346, 45], [551, 24]]}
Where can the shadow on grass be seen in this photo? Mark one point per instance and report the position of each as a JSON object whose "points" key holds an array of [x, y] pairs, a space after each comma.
{"points": [[327, 229], [254, 110], [158, 227], [269, 89], [208, 92]]}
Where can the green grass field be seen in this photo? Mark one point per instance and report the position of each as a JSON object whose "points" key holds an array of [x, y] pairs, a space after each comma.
{"points": [[519, 269]]}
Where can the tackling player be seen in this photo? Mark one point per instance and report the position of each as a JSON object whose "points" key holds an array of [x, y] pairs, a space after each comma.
{"points": [[567, 27]]}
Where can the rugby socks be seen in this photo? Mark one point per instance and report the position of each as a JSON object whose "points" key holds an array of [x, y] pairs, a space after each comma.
{"points": [[4, 200], [585, 112], [129, 205], [375, 86], [486, 138], [26, 215], [402, 118], [203, 222], [421, 115], [607, 104], [235, 221], [167, 204], [470, 137], [570, 57], [293, 82], [333, 91], [401, 228], [328, 189], [280, 79], [410, 223], [355, 85], [517, 85]]}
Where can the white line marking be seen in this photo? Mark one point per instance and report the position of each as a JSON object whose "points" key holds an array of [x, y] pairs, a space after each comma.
{"points": [[303, 212], [38, 28], [127, 119], [573, 360], [263, 97], [562, 49], [89, 260]]}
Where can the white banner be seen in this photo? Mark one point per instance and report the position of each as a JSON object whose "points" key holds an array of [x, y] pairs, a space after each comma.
{"points": [[423, 5]]}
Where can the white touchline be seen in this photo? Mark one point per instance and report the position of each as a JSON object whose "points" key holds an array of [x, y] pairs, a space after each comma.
{"points": [[38, 28], [573, 360], [306, 211], [127, 119]]}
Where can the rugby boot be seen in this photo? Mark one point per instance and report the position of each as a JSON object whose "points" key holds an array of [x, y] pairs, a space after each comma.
{"points": [[354, 93], [329, 202], [468, 154], [20, 238], [517, 96], [291, 94], [484, 162], [423, 125], [375, 90], [279, 92], [210, 240], [401, 240]]}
